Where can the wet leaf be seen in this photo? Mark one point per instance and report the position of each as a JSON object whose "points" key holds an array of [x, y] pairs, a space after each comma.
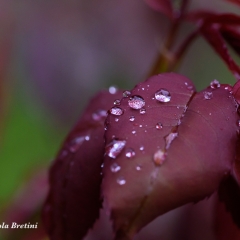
{"points": [[74, 200], [183, 161], [163, 6]]}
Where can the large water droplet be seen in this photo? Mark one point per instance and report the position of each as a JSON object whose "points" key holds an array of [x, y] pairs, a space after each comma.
{"points": [[112, 89], [215, 84], [159, 157], [121, 181], [99, 115], [169, 138], [76, 143], [136, 102], [142, 111], [116, 111], [126, 94], [208, 95], [163, 95], [159, 125], [115, 168], [117, 102], [130, 153], [114, 148]]}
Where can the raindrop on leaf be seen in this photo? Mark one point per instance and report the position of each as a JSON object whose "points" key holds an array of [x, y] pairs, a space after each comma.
{"points": [[136, 102], [215, 84], [115, 168], [116, 111], [159, 157], [207, 95], [163, 95], [114, 148], [130, 153]]}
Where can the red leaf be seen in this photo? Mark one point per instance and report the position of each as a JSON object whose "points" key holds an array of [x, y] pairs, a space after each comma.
{"points": [[232, 36], [163, 6], [213, 36], [74, 201], [185, 156], [234, 1]]}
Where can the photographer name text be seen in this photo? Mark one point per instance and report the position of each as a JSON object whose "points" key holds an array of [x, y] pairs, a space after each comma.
{"points": [[16, 225]]}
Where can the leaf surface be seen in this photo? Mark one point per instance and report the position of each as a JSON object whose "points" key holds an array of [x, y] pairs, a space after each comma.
{"points": [[182, 161], [74, 200]]}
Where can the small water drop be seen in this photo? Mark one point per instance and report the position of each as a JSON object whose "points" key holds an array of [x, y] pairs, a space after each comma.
{"points": [[228, 88], [159, 157], [131, 119], [114, 148], [102, 165], [138, 168], [169, 138], [238, 123], [126, 94], [87, 138], [99, 115], [115, 168], [141, 148], [116, 119], [133, 132], [159, 125], [143, 88], [136, 102], [140, 126], [117, 102], [116, 111], [163, 95], [210, 114], [215, 84], [208, 95], [130, 153], [112, 89], [142, 111], [121, 181], [76, 143], [63, 154]]}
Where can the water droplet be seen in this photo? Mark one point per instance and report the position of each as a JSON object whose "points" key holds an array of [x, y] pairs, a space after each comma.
{"points": [[163, 95], [169, 138], [138, 168], [208, 95], [130, 153], [121, 181], [116, 111], [143, 88], [114, 148], [238, 123], [136, 102], [87, 138], [215, 84], [142, 111], [159, 157], [186, 84], [210, 114], [141, 148], [140, 125], [116, 119], [76, 143], [159, 125], [99, 115], [228, 88], [115, 168], [63, 154], [132, 118], [126, 94], [102, 165], [117, 102], [112, 89], [133, 132]]}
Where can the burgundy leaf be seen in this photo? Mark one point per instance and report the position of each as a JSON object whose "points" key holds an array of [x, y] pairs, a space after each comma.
{"points": [[175, 149], [228, 211], [232, 37], [213, 36], [74, 201], [163, 6], [234, 1]]}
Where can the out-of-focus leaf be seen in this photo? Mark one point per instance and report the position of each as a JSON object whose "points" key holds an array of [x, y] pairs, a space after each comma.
{"points": [[74, 200], [227, 212], [163, 6], [213, 36], [232, 37], [167, 156], [234, 1]]}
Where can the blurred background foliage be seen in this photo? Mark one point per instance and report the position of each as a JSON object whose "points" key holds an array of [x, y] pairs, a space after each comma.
{"points": [[56, 54]]}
